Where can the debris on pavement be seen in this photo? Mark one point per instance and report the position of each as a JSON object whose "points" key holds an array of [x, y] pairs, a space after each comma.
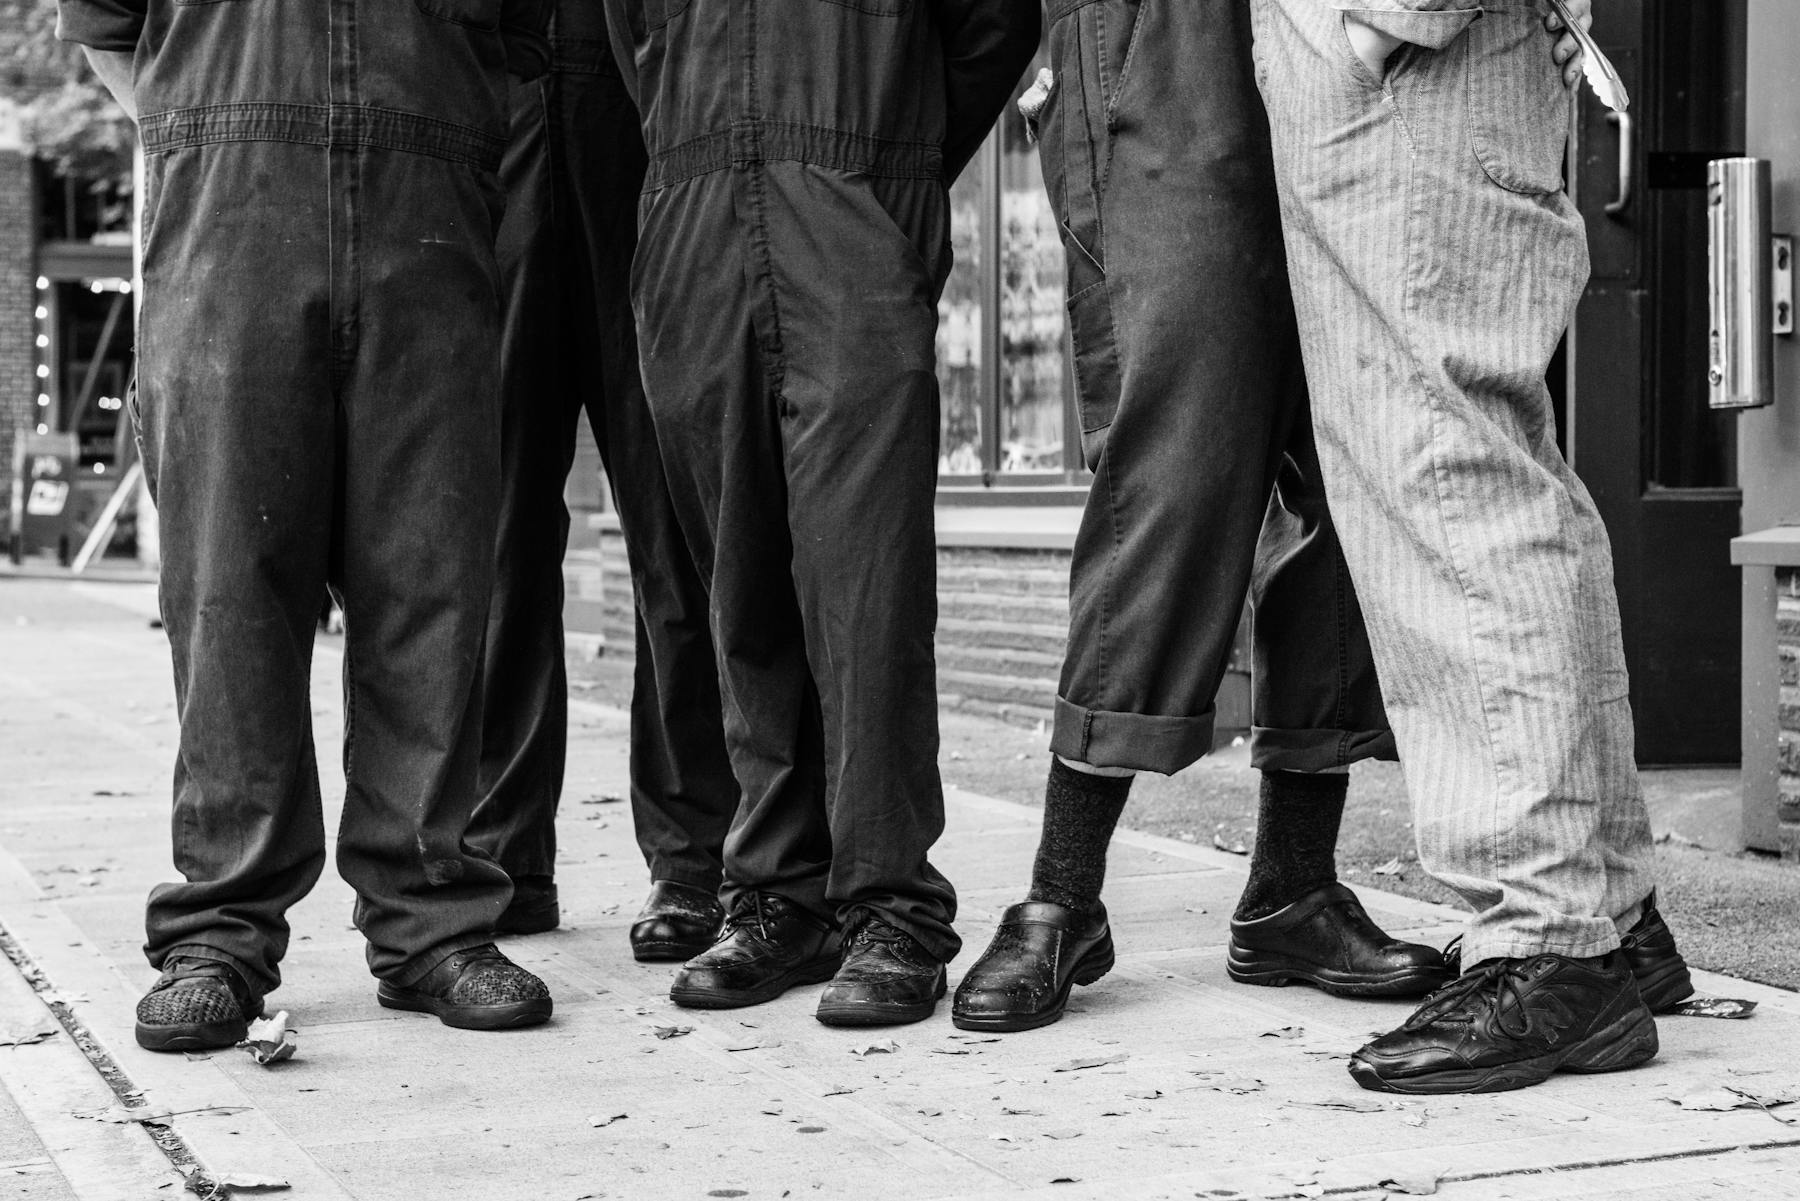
{"points": [[1732, 1096], [668, 1032], [1392, 867], [1090, 1061], [601, 1119], [251, 1182], [32, 1032], [886, 1046], [1418, 1184], [1713, 1007], [271, 1040], [1230, 848]]}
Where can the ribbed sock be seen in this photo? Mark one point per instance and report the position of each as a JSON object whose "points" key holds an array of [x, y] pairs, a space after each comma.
{"points": [[1296, 839], [1080, 811]]}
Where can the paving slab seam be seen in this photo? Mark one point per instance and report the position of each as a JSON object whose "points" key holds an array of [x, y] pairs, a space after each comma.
{"points": [[63, 952], [90, 1180]]}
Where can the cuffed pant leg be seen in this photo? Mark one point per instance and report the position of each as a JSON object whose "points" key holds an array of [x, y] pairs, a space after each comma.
{"points": [[1315, 701], [1156, 155], [1483, 569]]}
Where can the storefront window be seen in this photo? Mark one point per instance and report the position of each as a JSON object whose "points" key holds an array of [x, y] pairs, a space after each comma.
{"points": [[1031, 308], [959, 334], [1002, 332]]}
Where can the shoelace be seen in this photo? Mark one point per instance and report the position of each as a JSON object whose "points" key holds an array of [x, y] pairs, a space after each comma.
{"points": [[758, 912], [875, 930], [1504, 977]]}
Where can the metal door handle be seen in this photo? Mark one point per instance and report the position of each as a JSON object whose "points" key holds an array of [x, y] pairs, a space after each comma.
{"points": [[1622, 122]]}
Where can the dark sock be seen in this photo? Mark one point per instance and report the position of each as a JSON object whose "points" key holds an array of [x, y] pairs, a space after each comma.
{"points": [[1296, 839], [1080, 811]]}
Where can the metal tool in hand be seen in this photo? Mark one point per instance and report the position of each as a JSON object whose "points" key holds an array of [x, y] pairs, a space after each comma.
{"points": [[1602, 76]]}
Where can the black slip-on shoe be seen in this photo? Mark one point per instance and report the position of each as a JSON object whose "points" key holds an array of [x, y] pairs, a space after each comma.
{"points": [[1510, 1023], [1040, 951], [676, 923], [1649, 947], [533, 909], [476, 989], [887, 979], [768, 945], [1328, 940], [196, 1005]]}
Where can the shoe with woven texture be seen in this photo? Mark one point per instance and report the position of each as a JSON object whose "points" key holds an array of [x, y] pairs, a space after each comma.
{"points": [[1510, 1023], [476, 989], [1649, 947], [196, 1005], [887, 979]]}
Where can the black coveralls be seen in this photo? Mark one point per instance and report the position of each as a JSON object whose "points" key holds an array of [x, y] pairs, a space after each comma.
{"points": [[794, 238], [573, 172], [317, 399]]}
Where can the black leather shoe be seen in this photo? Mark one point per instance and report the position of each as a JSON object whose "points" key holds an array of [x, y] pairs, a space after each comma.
{"points": [[1326, 939], [476, 989], [887, 979], [1649, 947], [768, 946], [1510, 1023], [533, 908], [676, 923], [1040, 951], [196, 1005]]}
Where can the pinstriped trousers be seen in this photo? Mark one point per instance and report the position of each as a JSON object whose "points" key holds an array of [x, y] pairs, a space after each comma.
{"points": [[1435, 261]]}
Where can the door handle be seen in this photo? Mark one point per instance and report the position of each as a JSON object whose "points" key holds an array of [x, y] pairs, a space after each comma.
{"points": [[1622, 123]]}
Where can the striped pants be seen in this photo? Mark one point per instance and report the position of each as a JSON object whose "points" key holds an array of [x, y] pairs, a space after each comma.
{"points": [[1435, 261]]}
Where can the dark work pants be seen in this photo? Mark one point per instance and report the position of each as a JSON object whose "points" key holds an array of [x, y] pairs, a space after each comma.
{"points": [[788, 317], [573, 173], [1194, 409], [316, 398]]}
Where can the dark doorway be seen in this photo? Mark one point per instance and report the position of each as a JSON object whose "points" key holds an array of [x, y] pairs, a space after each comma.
{"points": [[1660, 464]]}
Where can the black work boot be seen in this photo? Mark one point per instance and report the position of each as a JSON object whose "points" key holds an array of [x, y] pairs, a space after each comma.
{"points": [[769, 945], [533, 908], [476, 989], [1328, 940], [676, 923], [196, 1005], [1649, 947], [887, 979], [1039, 953], [1510, 1023]]}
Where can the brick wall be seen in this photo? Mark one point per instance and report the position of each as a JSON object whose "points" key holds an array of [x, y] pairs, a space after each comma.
{"points": [[1787, 589], [1003, 620], [18, 299]]}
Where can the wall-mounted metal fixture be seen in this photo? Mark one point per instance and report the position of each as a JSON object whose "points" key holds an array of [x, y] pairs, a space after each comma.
{"points": [[1781, 278], [1741, 371]]}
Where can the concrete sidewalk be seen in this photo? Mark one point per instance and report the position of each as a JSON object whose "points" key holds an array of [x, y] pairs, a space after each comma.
{"points": [[1165, 1080]]}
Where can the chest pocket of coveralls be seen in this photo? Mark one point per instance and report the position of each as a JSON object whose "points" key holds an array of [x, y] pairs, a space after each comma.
{"points": [[478, 14], [1518, 106]]}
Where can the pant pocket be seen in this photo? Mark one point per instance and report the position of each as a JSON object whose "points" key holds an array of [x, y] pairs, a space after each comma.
{"points": [[1518, 107], [1096, 342], [478, 14]]}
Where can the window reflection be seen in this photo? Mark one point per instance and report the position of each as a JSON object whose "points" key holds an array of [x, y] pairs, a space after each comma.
{"points": [[1031, 306], [959, 333]]}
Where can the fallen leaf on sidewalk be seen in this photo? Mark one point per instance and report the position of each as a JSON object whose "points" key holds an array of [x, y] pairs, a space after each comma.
{"points": [[1230, 848], [1726, 1097], [886, 1046], [1148, 1094], [1062, 1134], [14, 1037], [1679, 839], [599, 1119], [1392, 867], [951, 1051], [250, 1182], [271, 1040], [1420, 1184], [753, 1044], [667, 1032], [1347, 1104], [1090, 1061], [1284, 1032], [118, 1115], [838, 1090], [1713, 1007]]}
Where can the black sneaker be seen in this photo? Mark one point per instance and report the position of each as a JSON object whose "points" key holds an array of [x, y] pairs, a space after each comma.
{"points": [[887, 979], [1649, 947], [476, 989], [1510, 1023], [196, 1005], [769, 945]]}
